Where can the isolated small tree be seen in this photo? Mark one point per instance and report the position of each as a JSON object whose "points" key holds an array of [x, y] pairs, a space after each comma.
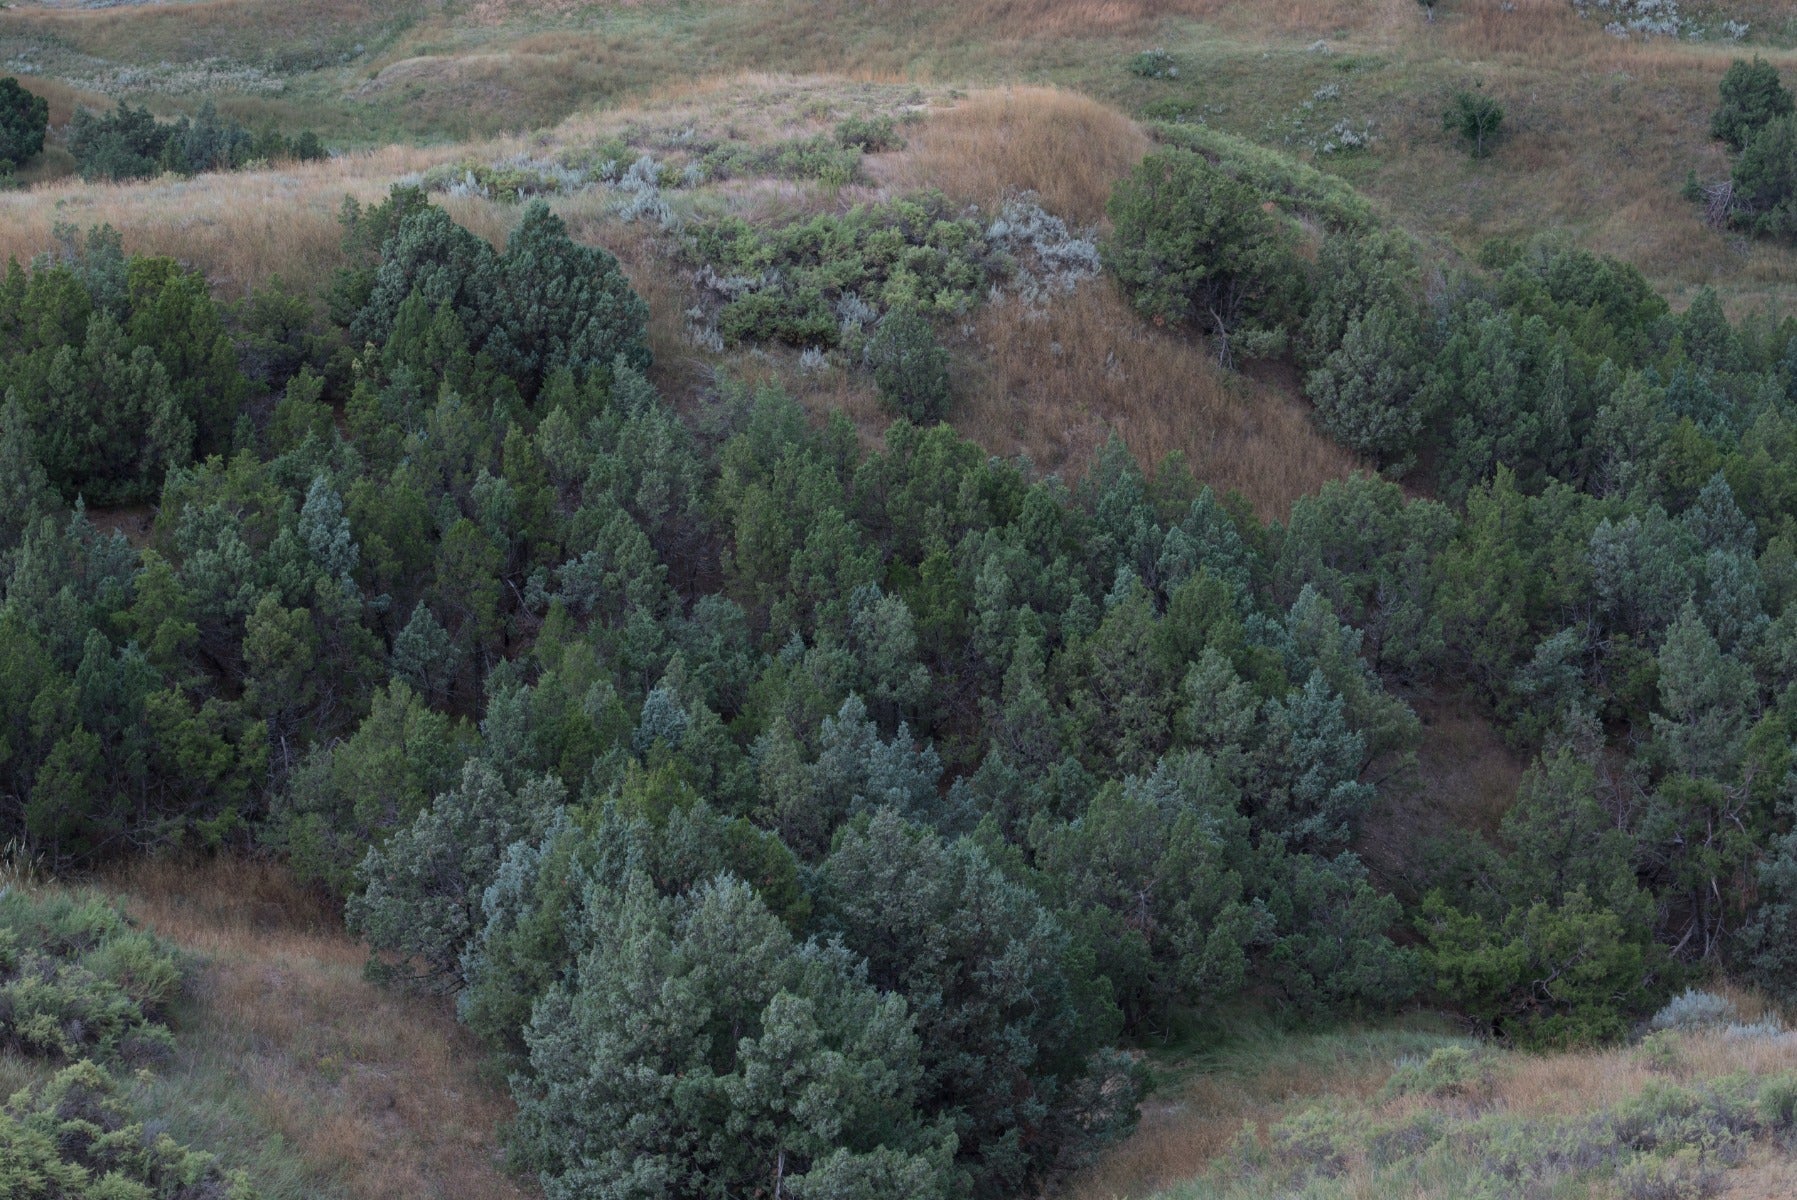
{"points": [[1752, 97], [23, 119], [1193, 243], [910, 367], [1476, 119]]}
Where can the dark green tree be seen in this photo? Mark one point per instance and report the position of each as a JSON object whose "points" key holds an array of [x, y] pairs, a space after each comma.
{"points": [[1194, 244], [1752, 96], [697, 1049], [1007, 1053], [24, 117], [559, 305], [910, 367]]}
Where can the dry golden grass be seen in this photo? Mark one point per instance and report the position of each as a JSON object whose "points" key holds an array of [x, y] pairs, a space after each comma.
{"points": [[241, 228], [1536, 29], [1185, 1127], [1193, 1124], [1066, 147], [375, 1090], [1053, 384]]}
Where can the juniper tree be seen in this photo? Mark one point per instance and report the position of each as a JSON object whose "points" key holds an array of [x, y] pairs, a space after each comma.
{"points": [[1194, 244], [1003, 1027], [695, 1044], [419, 895], [24, 117], [1752, 97]]}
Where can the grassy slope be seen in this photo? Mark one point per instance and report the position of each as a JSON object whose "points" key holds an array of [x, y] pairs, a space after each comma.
{"points": [[361, 1092], [1210, 1130]]}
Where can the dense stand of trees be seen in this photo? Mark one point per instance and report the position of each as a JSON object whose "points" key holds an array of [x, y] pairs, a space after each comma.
{"points": [[795, 816]]}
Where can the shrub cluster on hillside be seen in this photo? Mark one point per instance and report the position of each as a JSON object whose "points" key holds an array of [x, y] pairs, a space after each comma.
{"points": [[1442, 1124], [82, 991], [129, 143]]}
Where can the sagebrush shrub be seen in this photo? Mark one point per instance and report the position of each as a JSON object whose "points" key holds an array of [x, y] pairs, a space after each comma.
{"points": [[1694, 1009]]}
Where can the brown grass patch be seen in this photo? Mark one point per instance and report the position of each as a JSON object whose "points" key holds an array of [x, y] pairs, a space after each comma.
{"points": [[1053, 384], [64, 99], [1076, 18], [1538, 29], [376, 1090], [240, 228], [1067, 148], [1197, 1119]]}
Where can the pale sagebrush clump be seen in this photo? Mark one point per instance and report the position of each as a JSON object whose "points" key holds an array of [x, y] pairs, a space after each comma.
{"points": [[1344, 136], [1657, 18], [91, 74], [1048, 256], [1694, 1009], [640, 190]]}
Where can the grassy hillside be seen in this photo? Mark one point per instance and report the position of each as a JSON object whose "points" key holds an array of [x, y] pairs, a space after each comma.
{"points": [[1602, 132], [1604, 127], [286, 1062], [1701, 1106]]}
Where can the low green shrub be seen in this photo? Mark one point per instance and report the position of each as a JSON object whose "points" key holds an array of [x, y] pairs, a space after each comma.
{"points": [[1449, 1071], [74, 1138], [1297, 188], [1154, 64], [835, 161], [815, 282], [77, 981], [1476, 120], [870, 135]]}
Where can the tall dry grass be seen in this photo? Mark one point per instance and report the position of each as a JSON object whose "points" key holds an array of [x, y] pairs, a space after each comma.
{"points": [[379, 1092], [1258, 1079], [1068, 148], [1055, 383], [241, 228], [1543, 30]]}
